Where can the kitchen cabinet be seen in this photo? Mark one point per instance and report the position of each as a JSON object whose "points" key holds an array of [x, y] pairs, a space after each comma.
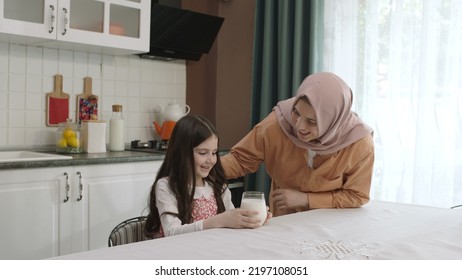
{"points": [[47, 212], [116, 192], [101, 26]]}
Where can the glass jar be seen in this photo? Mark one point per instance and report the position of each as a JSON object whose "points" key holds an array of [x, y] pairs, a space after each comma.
{"points": [[68, 138]]}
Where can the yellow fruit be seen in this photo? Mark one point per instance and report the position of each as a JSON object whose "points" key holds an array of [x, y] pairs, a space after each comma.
{"points": [[68, 132], [73, 142], [62, 143]]}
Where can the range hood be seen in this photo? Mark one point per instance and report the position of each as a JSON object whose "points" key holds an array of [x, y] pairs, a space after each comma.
{"points": [[180, 34]]}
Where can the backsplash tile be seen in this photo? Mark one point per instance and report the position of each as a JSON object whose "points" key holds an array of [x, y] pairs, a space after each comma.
{"points": [[17, 100], [3, 82], [3, 102], [17, 62], [34, 60], [50, 62], [3, 58], [27, 74], [33, 83]]}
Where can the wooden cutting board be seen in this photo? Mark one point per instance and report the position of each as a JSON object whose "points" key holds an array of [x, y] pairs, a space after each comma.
{"points": [[57, 103], [87, 103]]}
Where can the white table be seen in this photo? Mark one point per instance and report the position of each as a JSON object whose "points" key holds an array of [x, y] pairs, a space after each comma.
{"points": [[378, 230]]}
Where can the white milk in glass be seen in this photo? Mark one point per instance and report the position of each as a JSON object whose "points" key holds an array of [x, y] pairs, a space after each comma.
{"points": [[255, 201]]}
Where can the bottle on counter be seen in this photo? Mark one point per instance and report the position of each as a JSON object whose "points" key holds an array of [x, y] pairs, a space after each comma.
{"points": [[116, 129]]}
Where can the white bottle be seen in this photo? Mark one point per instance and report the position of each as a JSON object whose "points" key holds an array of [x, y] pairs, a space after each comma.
{"points": [[116, 129]]}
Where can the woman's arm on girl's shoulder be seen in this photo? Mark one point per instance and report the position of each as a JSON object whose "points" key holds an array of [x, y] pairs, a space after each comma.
{"points": [[246, 156]]}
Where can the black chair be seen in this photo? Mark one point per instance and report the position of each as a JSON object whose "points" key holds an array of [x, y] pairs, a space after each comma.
{"points": [[128, 231]]}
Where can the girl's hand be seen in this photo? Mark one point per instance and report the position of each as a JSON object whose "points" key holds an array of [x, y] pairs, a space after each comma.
{"points": [[234, 218]]}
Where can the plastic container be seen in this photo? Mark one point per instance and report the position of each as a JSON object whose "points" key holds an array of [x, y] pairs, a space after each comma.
{"points": [[116, 129], [68, 138]]}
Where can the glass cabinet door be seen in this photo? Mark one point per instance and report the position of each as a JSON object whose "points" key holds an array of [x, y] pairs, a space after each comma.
{"points": [[24, 10], [124, 21], [27, 20], [87, 15]]}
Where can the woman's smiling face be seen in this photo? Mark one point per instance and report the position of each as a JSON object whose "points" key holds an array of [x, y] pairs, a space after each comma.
{"points": [[304, 120]]}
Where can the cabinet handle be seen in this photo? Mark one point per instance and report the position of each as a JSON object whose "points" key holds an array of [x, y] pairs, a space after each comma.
{"points": [[67, 187], [52, 18], [66, 21], [80, 186]]}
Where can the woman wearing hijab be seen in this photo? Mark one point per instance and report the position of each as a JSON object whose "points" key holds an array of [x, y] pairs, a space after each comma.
{"points": [[318, 153]]}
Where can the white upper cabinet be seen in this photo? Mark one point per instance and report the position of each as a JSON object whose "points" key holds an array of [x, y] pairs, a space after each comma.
{"points": [[101, 26]]}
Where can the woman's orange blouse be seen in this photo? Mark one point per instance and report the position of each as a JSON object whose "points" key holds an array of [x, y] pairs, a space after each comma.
{"points": [[339, 180]]}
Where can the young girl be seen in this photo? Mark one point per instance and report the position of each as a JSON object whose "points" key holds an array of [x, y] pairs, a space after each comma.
{"points": [[190, 193]]}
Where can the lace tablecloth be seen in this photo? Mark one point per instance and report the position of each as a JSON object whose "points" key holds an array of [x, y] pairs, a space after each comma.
{"points": [[378, 230]]}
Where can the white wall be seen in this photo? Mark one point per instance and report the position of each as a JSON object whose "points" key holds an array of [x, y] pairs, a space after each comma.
{"points": [[26, 75]]}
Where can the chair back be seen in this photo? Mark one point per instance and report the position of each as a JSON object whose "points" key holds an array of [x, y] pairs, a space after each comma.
{"points": [[128, 231]]}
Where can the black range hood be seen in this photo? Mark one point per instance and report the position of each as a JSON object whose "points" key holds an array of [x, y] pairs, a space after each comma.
{"points": [[180, 34]]}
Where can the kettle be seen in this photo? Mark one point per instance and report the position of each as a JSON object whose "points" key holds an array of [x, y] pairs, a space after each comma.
{"points": [[170, 115]]}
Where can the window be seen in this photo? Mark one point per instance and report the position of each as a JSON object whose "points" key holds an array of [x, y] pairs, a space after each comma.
{"points": [[403, 61]]}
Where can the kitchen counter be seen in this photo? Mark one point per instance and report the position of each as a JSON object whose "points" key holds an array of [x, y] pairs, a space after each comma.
{"points": [[86, 159]]}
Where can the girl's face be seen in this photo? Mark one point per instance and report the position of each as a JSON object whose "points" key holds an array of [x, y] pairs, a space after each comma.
{"points": [[304, 118], [205, 157]]}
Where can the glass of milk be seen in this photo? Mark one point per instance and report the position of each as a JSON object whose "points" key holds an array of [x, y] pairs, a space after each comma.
{"points": [[252, 200]]}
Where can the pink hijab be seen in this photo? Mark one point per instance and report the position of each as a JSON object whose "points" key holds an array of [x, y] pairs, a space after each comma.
{"points": [[331, 99]]}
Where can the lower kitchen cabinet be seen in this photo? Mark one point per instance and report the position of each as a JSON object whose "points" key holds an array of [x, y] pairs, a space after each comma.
{"points": [[29, 213], [47, 212]]}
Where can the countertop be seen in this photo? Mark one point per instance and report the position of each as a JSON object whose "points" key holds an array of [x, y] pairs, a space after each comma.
{"points": [[85, 159]]}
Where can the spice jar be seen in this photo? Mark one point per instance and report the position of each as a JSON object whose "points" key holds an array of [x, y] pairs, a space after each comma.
{"points": [[68, 138]]}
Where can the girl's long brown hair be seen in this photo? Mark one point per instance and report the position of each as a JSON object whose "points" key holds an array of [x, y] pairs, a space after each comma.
{"points": [[178, 165]]}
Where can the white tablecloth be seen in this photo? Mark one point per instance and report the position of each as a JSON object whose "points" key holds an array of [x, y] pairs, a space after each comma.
{"points": [[378, 230]]}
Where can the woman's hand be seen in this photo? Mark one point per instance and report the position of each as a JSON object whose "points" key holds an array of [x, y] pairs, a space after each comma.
{"points": [[289, 198], [269, 215]]}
